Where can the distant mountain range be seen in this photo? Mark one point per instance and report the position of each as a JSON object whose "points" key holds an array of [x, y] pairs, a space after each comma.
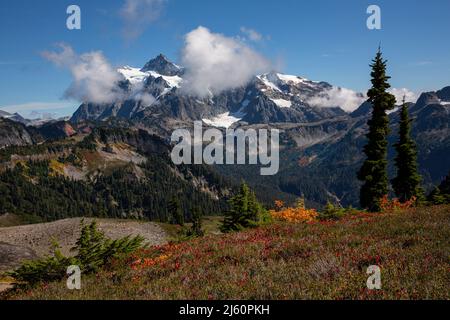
{"points": [[14, 117], [321, 147]]}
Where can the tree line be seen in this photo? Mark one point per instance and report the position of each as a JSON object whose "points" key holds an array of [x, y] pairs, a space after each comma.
{"points": [[36, 193], [373, 173]]}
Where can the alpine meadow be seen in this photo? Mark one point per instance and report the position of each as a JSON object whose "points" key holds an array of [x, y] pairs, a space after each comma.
{"points": [[217, 175]]}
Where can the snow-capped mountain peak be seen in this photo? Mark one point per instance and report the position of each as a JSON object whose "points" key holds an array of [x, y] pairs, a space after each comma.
{"points": [[141, 80], [153, 90], [163, 66], [288, 84], [172, 81], [134, 75], [289, 78]]}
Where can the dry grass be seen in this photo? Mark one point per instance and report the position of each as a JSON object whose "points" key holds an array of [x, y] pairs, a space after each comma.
{"points": [[325, 260]]}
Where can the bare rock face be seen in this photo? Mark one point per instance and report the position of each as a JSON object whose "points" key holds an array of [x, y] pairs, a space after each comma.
{"points": [[163, 66], [444, 93], [14, 134]]}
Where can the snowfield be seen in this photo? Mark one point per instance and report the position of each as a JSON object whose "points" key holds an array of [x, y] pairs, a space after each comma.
{"points": [[282, 103], [136, 76]]}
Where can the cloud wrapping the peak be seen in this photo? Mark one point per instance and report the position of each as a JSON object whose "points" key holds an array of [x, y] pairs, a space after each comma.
{"points": [[94, 79], [145, 98], [347, 99], [215, 63], [399, 93], [137, 15]]}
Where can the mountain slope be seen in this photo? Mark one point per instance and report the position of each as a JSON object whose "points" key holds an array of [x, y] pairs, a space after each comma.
{"points": [[112, 172], [13, 133], [319, 160]]}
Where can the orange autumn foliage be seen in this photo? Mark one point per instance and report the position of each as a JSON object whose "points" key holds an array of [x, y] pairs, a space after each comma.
{"points": [[294, 215], [388, 205], [148, 262]]}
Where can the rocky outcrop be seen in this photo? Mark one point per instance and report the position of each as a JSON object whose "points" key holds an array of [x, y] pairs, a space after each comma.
{"points": [[14, 134]]}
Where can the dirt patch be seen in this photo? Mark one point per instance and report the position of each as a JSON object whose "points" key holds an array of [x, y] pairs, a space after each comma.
{"points": [[5, 286], [17, 243], [11, 256]]}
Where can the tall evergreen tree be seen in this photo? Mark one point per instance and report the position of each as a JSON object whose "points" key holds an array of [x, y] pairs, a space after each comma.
{"points": [[407, 183], [197, 225], [373, 172], [175, 211], [445, 185]]}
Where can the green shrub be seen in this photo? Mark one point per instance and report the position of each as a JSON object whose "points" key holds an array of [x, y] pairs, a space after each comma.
{"points": [[197, 226], [94, 250], [47, 269], [437, 197], [195, 230], [332, 212]]}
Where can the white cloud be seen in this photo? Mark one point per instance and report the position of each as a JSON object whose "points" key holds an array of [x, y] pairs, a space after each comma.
{"points": [[399, 93], [252, 34], [65, 58], [215, 63], [94, 79], [145, 98], [347, 99], [350, 100], [137, 15]]}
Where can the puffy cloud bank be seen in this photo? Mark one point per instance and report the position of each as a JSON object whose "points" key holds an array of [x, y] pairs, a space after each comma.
{"points": [[350, 100], [94, 79], [347, 99], [215, 63], [403, 92]]}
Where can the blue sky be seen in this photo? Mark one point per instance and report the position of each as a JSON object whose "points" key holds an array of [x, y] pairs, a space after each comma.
{"points": [[321, 40]]}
